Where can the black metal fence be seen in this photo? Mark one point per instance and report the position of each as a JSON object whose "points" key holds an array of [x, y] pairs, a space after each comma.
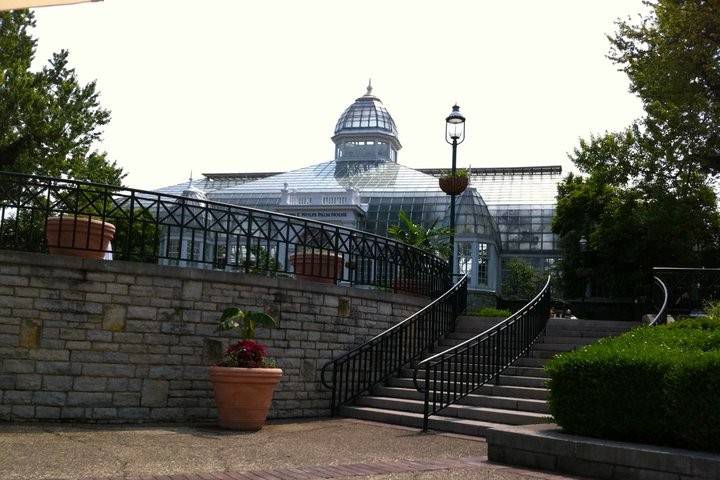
{"points": [[41, 214], [453, 374], [685, 291], [378, 359]]}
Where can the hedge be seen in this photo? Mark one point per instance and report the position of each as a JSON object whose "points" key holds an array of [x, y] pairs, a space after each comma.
{"points": [[489, 312], [658, 385]]}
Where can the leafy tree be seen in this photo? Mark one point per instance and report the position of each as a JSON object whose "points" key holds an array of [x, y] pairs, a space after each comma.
{"points": [[520, 280], [671, 58], [647, 199], [432, 239], [50, 123]]}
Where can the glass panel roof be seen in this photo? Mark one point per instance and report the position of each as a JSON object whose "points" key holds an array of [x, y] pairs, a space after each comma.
{"points": [[512, 209], [339, 176], [531, 188], [367, 112]]}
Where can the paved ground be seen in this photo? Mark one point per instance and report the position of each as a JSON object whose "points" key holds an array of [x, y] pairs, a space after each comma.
{"points": [[284, 450]]}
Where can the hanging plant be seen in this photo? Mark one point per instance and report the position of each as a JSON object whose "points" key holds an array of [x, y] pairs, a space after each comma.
{"points": [[455, 184]]}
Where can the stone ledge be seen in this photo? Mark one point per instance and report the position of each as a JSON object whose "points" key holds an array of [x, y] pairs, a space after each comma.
{"points": [[547, 448], [187, 273]]}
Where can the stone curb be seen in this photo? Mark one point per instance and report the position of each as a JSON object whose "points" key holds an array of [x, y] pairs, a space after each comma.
{"points": [[547, 448]]}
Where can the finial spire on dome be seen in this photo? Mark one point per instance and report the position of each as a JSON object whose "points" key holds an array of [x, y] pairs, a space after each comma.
{"points": [[369, 87], [190, 181]]}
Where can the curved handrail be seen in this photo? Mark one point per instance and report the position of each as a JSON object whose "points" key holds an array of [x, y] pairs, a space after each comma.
{"points": [[373, 362], [216, 233], [482, 358], [661, 316]]}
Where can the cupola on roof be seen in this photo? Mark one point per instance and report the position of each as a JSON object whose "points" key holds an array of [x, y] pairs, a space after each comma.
{"points": [[368, 112], [366, 132]]}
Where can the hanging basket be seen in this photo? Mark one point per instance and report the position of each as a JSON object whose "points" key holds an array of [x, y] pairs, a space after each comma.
{"points": [[453, 185]]}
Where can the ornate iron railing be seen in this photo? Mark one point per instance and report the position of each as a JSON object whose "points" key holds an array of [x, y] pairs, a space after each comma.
{"points": [[41, 214], [378, 359], [661, 316], [453, 374], [684, 291]]}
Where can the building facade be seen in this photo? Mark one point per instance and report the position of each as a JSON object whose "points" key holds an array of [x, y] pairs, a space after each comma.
{"points": [[504, 213]]}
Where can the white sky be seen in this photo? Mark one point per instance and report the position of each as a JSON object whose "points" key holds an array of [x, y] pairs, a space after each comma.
{"points": [[259, 85]]}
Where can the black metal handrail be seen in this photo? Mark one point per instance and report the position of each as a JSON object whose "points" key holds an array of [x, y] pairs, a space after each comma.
{"points": [[362, 368], [685, 291], [192, 231], [456, 372], [661, 316]]}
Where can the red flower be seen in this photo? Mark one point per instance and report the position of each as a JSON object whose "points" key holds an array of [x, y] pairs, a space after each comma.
{"points": [[246, 353]]}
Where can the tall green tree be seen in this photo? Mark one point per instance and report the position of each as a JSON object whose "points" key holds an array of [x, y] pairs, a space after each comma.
{"points": [[50, 123], [647, 198]]}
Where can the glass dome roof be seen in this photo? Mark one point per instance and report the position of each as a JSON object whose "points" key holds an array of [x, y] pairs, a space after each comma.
{"points": [[368, 112]]}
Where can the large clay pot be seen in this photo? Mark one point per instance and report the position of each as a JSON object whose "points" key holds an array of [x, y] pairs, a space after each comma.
{"points": [[79, 236], [243, 395], [453, 185], [321, 267], [412, 286]]}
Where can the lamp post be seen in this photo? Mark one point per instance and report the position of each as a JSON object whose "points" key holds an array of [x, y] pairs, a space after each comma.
{"points": [[454, 135], [583, 249]]}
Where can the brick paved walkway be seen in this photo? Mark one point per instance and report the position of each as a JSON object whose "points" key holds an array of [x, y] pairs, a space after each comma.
{"points": [[327, 471], [353, 470], [294, 450]]}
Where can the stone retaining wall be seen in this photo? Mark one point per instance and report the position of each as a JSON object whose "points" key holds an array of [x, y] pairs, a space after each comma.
{"points": [[98, 341]]}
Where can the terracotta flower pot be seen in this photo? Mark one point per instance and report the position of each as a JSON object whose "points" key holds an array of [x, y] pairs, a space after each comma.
{"points": [[78, 236], [243, 395], [412, 286], [321, 267], [453, 185]]}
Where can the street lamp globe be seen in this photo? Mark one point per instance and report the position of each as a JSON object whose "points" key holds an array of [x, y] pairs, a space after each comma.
{"points": [[583, 244], [455, 126]]}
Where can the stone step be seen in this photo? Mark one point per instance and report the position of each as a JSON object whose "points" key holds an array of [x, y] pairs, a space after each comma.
{"points": [[526, 371], [580, 324], [545, 354], [555, 347], [535, 372], [507, 403], [489, 389], [517, 381], [530, 362], [513, 391], [451, 342], [462, 335], [576, 340], [484, 414], [596, 334], [409, 419]]}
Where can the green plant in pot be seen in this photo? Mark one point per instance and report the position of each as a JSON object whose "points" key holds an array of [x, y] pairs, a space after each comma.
{"points": [[245, 379], [455, 183]]}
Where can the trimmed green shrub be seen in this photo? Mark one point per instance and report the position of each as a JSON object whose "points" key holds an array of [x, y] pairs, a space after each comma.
{"points": [[658, 385], [489, 312]]}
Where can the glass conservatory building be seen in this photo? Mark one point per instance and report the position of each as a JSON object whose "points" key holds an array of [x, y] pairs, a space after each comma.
{"points": [[504, 213]]}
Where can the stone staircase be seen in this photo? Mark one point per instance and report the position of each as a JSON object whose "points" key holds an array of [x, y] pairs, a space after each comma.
{"points": [[519, 398]]}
